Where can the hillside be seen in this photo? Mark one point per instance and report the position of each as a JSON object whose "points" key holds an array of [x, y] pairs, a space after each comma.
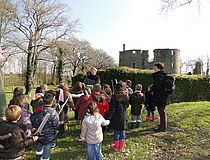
{"points": [[187, 138]]}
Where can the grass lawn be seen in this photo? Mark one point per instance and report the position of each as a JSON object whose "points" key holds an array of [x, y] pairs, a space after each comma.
{"points": [[187, 138]]}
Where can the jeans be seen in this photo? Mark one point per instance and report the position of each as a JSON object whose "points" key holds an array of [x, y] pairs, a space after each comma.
{"points": [[119, 135], [43, 151], [94, 151], [148, 112]]}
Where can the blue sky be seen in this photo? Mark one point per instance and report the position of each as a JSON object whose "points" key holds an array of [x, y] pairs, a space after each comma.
{"points": [[108, 24]]}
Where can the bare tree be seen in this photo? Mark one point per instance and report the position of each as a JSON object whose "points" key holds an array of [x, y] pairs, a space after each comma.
{"points": [[6, 28], [40, 23], [101, 60], [79, 54], [167, 5]]}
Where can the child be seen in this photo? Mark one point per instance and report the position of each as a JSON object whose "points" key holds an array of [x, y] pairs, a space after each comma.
{"points": [[12, 139], [82, 104], [128, 86], [136, 100], [37, 99], [48, 135], [19, 100], [149, 104], [62, 94], [76, 93], [92, 132], [99, 99], [117, 115]]}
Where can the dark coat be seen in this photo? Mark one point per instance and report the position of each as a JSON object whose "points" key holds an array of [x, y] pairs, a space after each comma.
{"points": [[13, 140], [136, 100], [49, 131], [149, 102], [92, 80], [158, 89], [117, 111]]}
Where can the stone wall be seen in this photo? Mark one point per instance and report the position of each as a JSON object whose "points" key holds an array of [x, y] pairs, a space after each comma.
{"points": [[137, 58]]}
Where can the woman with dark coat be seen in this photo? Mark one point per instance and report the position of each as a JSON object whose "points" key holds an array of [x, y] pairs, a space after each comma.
{"points": [[117, 115]]}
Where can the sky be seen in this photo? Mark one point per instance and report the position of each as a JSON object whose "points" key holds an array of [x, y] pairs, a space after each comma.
{"points": [[108, 24]]}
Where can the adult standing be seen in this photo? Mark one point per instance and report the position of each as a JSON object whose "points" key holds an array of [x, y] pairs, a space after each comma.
{"points": [[3, 102], [92, 78], [159, 94]]}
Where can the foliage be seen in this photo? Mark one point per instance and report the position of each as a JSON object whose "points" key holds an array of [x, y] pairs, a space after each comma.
{"points": [[188, 87]]}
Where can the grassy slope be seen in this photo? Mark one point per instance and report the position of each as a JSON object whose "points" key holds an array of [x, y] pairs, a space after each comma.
{"points": [[187, 138]]}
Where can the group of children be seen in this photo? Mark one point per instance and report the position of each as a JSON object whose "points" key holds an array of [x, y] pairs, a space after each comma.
{"points": [[93, 107]]}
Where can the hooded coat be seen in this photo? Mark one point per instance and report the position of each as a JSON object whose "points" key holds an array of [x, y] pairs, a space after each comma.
{"points": [[117, 110]]}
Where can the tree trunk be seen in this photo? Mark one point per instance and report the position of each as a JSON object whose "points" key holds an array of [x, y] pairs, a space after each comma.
{"points": [[60, 70], [29, 74], [53, 81]]}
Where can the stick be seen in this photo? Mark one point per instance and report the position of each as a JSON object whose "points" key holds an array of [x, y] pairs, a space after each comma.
{"points": [[44, 121], [106, 94], [112, 85], [63, 106]]}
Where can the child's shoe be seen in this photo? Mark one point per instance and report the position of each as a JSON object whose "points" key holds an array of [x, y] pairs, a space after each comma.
{"points": [[147, 119], [115, 146], [121, 145], [153, 118]]}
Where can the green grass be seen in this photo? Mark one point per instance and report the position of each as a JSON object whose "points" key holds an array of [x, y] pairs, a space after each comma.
{"points": [[187, 138]]}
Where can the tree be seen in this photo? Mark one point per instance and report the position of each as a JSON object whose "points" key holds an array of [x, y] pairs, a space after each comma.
{"points": [[6, 28], [101, 60], [79, 54], [173, 4], [39, 24]]}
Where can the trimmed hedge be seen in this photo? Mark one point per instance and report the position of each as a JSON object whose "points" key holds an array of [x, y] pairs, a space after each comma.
{"points": [[189, 88]]}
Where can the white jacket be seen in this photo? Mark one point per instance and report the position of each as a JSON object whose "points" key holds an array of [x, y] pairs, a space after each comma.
{"points": [[91, 128]]}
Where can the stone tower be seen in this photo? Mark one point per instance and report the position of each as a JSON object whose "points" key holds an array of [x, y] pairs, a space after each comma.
{"points": [[135, 58], [170, 58]]}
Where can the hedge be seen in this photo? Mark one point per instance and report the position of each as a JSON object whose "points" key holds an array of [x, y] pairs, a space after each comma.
{"points": [[189, 88]]}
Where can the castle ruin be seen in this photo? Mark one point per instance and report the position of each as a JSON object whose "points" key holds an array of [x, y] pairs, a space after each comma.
{"points": [[137, 58]]}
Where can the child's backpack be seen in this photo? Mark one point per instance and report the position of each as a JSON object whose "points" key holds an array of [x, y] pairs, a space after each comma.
{"points": [[169, 83]]}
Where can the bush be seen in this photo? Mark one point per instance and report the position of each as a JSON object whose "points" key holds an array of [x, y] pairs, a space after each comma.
{"points": [[189, 88]]}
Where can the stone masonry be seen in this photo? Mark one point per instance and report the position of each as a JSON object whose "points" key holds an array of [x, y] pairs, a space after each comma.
{"points": [[137, 58]]}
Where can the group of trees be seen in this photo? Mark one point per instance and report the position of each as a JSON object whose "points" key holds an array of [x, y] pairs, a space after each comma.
{"points": [[199, 65], [41, 34]]}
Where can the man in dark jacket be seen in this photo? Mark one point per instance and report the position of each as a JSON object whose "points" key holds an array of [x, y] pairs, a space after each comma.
{"points": [[92, 78], [160, 95]]}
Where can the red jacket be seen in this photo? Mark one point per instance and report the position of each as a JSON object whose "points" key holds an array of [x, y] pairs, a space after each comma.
{"points": [[82, 106], [101, 101]]}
